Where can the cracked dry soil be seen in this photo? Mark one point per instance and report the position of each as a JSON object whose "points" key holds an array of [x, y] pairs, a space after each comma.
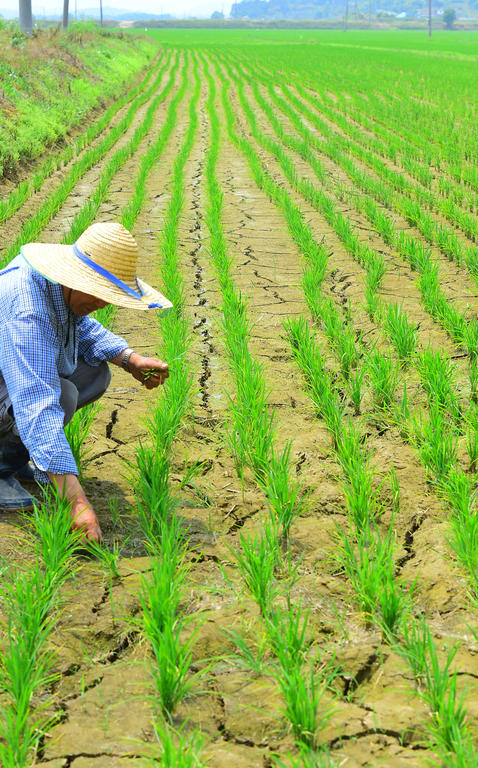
{"points": [[101, 696]]}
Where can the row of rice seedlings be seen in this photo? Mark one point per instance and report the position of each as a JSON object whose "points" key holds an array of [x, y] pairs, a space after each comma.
{"points": [[339, 147], [26, 664], [418, 255], [32, 228], [251, 429], [447, 199], [24, 190], [369, 150], [406, 245], [437, 375], [366, 555], [402, 334], [302, 681], [163, 619], [30, 599], [79, 427]]}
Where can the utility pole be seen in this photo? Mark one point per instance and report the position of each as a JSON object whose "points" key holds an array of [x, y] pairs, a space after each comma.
{"points": [[429, 18], [65, 14], [101, 13], [346, 17], [25, 16], [370, 14]]}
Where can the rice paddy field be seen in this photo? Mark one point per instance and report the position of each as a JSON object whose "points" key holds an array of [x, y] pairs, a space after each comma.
{"points": [[289, 574]]}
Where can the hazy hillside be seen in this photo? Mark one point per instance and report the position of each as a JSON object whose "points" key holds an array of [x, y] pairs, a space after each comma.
{"points": [[322, 9]]}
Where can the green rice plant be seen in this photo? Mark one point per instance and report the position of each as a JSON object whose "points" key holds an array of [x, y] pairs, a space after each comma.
{"points": [[289, 633], [438, 374], [471, 434], [77, 431], [367, 560], [163, 588], [394, 490], [303, 691], [383, 373], [459, 490], [283, 494], [171, 670], [307, 758], [355, 388], [108, 558], [438, 688], [436, 440], [175, 748], [309, 358], [357, 483], [258, 559], [162, 623], [255, 659], [30, 598], [149, 475], [402, 334]]}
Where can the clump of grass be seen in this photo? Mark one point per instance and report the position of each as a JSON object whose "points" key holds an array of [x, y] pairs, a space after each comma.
{"points": [[383, 374], [402, 334]]}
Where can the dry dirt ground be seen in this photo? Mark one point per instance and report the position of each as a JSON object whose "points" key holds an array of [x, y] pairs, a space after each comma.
{"points": [[104, 684]]}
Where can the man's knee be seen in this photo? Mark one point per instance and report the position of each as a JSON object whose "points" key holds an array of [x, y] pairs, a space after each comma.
{"points": [[104, 378], [68, 399], [93, 384]]}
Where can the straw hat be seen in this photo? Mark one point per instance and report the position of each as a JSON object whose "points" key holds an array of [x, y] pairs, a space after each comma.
{"points": [[101, 263]]}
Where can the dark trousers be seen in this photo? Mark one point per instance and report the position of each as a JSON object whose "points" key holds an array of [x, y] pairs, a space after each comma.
{"points": [[87, 384]]}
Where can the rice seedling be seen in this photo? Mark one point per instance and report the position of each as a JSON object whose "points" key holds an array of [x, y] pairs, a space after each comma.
{"points": [[307, 758], [367, 560], [471, 433], [175, 749], [438, 374], [258, 559], [383, 373], [436, 440], [77, 431], [459, 490], [448, 726], [402, 334]]}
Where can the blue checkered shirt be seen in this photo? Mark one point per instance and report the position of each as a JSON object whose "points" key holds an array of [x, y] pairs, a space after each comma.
{"points": [[40, 341]]}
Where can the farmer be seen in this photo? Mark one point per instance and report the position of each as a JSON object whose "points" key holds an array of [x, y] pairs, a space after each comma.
{"points": [[54, 358]]}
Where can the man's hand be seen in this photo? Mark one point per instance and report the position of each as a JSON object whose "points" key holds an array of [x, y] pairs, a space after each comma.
{"points": [[150, 371], [83, 517]]}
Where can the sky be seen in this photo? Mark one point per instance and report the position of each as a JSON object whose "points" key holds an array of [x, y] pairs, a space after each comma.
{"points": [[176, 8]]}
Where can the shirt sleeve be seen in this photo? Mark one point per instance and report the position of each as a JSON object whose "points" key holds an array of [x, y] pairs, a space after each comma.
{"points": [[28, 361], [96, 343]]}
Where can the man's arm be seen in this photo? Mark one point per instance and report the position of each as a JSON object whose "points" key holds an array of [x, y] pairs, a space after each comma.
{"points": [[82, 513]]}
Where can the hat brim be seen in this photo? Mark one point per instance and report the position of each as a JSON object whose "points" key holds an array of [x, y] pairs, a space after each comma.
{"points": [[59, 264]]}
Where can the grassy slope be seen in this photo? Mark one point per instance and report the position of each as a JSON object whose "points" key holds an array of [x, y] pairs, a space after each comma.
{"points": [[50, 82]]}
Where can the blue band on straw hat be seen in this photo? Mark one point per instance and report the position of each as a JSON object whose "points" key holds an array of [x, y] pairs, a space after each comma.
{"points": [[140, 295]]}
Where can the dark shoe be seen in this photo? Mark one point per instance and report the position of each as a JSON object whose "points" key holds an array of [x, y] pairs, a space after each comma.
{"points": [[13, 454], [13, 496], [26, 473]]}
